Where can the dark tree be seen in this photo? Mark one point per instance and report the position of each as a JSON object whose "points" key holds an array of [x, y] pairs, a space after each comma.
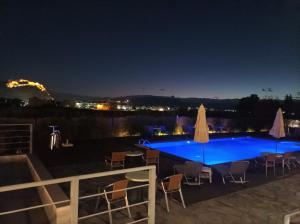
{"points": [[288, 104], [247, 105]]}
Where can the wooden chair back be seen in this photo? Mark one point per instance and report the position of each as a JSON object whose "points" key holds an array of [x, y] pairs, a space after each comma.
{"points": [[118, 156], [271, 157], [287, 155], [192, 168], [174, 182], [119, 185], [152, 156], [239, 167]]}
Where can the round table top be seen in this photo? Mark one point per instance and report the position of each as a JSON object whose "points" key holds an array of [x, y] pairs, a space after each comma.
{"points": [[134, 153], [139, 176]]}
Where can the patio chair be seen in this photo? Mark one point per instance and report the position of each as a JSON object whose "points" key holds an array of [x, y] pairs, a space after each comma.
{"points": [[270, 162], [223, 170], [206, 173], [113, 194], [172, 184], [191, 172], [237, 171], [286, 161], [117, 159], [294, 160], [152, 157]]}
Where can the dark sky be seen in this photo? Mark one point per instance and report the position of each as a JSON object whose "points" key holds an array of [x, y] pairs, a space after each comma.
{"points": [[204, 48]]}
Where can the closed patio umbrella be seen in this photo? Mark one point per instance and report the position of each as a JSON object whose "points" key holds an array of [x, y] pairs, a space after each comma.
{"points": [[178, 126], [201, 128], [277, 130]]}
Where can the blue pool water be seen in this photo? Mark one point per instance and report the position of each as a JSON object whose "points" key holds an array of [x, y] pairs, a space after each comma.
{"points": [[225, 149]]}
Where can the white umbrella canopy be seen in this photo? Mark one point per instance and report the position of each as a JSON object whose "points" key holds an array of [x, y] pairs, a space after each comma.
{"points": [[277, 131], [201, 128]]}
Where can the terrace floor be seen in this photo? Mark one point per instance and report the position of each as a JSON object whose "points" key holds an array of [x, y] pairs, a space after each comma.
{"points": [[267, 204]]}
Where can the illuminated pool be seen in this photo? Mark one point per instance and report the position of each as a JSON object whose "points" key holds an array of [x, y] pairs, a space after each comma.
{"points": [[225, 149]]}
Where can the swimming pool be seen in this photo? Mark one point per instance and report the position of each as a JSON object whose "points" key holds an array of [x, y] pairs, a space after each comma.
{"points": [[224, 149]]}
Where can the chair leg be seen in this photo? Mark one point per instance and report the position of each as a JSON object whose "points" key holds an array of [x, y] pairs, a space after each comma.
{"points": [[186, 180], [167, 202], [128, 208], [288, 164], [181, 196], [210, 177], [274, 165], [223, 180], [266, 170], [233, 179], [283, 167], [98, 201], [241, 179], [109, 213]]}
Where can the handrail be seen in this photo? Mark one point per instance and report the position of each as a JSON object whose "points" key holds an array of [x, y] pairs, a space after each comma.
{"points": [[14, 124], [113, 210], [33, 207], [74, 193], [109, 192], [70, 178], [12, 143], [15, 135]]}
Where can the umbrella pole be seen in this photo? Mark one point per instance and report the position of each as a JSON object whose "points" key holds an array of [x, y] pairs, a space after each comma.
{"points": [[203, 156]]}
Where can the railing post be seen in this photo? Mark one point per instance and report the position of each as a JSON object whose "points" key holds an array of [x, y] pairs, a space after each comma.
{"points": [[151, 195], [74, 194], [31, 138]]}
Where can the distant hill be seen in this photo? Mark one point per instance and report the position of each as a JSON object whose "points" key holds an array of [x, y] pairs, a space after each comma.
{"points": [[27, 92], [69, 96], [150, 100], [23, 92]]}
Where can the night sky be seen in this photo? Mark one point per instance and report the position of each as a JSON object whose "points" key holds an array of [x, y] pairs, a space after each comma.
{"points": [[205, 48]]}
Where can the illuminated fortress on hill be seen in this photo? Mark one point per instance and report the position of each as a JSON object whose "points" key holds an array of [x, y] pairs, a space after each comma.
{"points": [[24, 89]]}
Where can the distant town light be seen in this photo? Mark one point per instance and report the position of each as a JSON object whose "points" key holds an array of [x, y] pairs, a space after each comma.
{"points": [[102, 107]]}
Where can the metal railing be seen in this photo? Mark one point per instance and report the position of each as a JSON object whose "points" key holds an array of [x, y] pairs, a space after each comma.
{"points": [[16, 137], [75, 198]]}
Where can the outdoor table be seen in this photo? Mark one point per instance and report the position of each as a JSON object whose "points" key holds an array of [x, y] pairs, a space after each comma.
{"points": [[138, 177], [134, 153], [134, 158]]}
